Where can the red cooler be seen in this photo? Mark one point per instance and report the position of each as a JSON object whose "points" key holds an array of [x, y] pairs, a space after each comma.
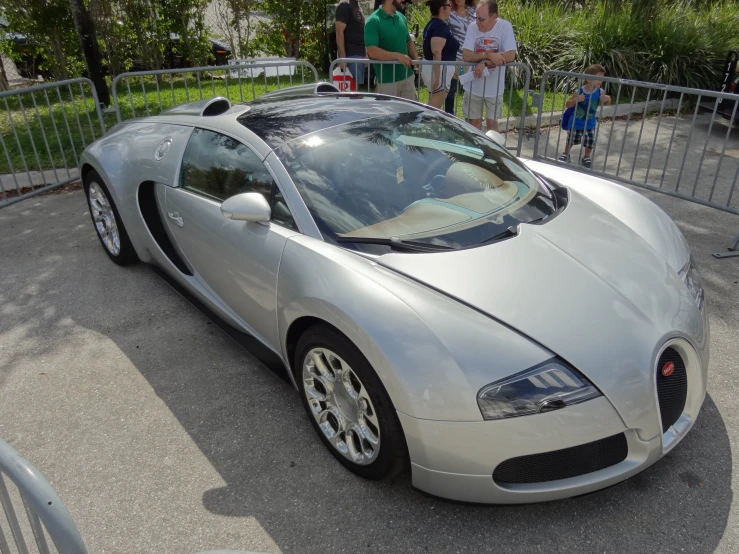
{"points": [[344, 80]]}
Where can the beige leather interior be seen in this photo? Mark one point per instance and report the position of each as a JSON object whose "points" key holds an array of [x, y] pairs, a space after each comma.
{"points": [[473, 188]]}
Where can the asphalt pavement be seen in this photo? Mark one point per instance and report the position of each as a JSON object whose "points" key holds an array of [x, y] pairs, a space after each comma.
{"points": [[163, 435]]}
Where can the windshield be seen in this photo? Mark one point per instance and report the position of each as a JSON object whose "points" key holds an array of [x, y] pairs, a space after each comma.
{"points": [[416, 176]]}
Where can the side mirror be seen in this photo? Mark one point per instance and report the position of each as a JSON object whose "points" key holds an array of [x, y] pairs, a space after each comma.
{"points": [[248, 206], [496, 137]]}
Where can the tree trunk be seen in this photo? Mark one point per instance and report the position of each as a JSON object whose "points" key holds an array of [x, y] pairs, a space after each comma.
{"points": [[161, 42], [237, 22], [3, 77], [60, 70], [185, 19], [108, 22], [86, 29]]}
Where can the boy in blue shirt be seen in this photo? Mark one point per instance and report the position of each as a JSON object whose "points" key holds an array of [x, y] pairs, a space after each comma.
{"points": [[582, 127]]}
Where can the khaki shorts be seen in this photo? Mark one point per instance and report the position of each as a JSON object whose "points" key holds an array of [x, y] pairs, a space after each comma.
{"points": [[472, 106], [404, 89]]}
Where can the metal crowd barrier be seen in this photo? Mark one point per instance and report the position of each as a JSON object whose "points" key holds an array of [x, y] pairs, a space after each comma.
{"points": [[732, 251], [662, 138], [658, 137], [155, 91], [44, 130], [515, 92], [44, 509]]}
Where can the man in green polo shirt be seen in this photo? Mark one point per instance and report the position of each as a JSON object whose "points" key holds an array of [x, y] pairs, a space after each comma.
{"points": [[387, 39]]}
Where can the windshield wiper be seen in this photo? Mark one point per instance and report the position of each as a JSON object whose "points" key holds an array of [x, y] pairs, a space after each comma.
{"points": [[512, 231], [398, 244]]}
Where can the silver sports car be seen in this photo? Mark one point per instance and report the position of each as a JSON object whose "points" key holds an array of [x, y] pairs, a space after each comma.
{"points": [[513, 331]]}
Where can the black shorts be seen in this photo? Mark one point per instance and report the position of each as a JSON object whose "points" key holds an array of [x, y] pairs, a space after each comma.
{"points": [[577, 136]]}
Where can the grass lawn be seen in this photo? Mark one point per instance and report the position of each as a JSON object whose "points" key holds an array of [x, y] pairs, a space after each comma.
{"points": [[67, 118], [46, 130]]}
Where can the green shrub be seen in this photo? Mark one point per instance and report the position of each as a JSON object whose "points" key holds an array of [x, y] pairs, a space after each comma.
{"points": [[542, 34], [610, 38], [418, 14], [687, 47]]}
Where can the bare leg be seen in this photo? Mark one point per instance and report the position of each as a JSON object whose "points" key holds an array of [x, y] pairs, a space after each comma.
{"points": [[586, 160], [477, 123], [438, 98]]}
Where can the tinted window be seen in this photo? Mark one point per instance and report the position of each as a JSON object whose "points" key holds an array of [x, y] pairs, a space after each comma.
{"points": [[220, 167], [281, 213]]}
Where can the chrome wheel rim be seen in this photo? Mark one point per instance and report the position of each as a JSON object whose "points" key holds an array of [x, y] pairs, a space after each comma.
{"points": [[104, 218], [341, 406]]}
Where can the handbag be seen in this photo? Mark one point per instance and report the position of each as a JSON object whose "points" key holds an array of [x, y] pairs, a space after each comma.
{"points": [[567, 120]]}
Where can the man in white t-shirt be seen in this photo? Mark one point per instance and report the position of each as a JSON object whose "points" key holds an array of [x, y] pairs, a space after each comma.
{"points": [[490, 42]]}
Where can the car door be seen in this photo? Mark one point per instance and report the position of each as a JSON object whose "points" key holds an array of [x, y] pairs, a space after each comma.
{"points": [[236, 261]]}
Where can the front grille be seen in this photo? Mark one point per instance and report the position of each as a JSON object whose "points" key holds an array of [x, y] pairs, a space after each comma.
{"points": [[565, 463], [672, 390]]}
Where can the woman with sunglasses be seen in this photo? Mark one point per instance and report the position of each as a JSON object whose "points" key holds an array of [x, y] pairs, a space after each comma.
{"points": [[439, 45], [463, 13]]}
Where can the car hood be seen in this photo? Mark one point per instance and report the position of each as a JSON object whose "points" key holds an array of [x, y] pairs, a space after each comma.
{"points": [[584, 285], [633, 209]]}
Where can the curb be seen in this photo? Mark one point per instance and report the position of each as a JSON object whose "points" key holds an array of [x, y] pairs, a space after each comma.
{"points": [[37, 178]]}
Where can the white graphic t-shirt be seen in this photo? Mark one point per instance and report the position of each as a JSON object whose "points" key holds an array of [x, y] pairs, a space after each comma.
{"points": [[499, 39]]}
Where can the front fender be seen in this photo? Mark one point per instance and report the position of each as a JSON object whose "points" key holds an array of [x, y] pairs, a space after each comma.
{"points": [[432, 353]]}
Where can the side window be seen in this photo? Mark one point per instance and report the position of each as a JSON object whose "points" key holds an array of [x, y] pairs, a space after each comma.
{"points": [[219, 167], [281, 213]]}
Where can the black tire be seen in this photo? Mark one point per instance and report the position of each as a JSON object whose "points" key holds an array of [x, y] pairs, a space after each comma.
{"points": [[126, 254], [393, 455]]}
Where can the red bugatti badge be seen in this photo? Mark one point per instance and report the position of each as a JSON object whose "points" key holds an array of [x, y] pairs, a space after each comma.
{"points": [[668, 369]]}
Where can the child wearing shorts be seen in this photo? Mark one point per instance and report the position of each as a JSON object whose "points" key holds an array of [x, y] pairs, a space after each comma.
{"points": [[586, 101]]}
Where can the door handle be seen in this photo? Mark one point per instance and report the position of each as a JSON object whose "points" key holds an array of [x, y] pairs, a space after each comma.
{"points": [[174, 216]]}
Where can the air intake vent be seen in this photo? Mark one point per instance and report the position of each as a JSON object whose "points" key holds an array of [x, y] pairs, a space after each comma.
{"points": [[326, 88], [672, 387], [217, 107], [207, 107], [565, 463]]}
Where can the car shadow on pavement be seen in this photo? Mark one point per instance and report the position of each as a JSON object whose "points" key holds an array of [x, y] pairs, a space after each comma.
{"points": [[250, 425]]}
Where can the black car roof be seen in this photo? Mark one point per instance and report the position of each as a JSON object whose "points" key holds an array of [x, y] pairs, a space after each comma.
{"points": [[280, 120]]}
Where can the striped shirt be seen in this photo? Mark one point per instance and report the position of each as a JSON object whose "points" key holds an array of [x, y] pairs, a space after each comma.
{"points": [[458, 25]]}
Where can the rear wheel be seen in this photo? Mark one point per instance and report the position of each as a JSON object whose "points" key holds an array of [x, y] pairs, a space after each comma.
{"points": [[348, 405], [107, 221]]}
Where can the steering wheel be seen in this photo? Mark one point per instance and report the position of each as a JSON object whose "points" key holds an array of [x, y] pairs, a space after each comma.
{"points": [[434, 167]]}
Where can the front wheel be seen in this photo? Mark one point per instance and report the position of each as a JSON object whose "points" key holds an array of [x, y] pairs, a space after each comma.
{"points": [[107, 221], [348, 405]]}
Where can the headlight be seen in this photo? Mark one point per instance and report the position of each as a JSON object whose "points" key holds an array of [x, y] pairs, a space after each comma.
{"points": [[692, 280], [546, 387]]}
